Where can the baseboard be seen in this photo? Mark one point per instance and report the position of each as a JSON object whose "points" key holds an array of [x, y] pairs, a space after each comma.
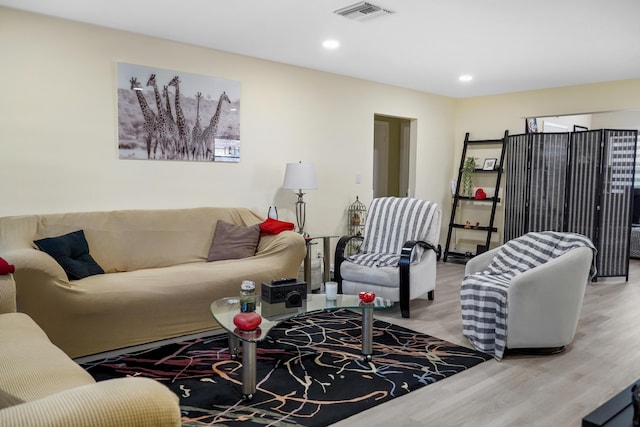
{"points": [[146, 346]]}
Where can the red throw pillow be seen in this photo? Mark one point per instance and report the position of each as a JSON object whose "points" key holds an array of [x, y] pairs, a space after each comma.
{"points": [[5, 267], [274, 226]]}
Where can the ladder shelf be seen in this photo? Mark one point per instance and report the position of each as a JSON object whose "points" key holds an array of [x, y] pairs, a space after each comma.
{"points": [[489, 201]]}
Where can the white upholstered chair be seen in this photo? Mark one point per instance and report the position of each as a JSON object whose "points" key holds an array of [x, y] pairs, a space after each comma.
{"points": [[543, 303], [397, 258]]}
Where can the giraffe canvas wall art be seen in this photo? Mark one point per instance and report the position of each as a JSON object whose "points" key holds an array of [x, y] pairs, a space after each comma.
{"points": [[177, 115]]}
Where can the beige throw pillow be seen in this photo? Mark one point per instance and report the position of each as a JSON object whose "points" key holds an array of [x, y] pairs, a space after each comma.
{"points": [[232, 241]]}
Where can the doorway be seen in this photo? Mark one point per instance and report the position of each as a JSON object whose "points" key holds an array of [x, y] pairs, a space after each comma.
{"points": [[391, 156]]}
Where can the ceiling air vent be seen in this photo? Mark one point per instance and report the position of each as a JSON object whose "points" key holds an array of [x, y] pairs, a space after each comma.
{"points": [[362, 11]]}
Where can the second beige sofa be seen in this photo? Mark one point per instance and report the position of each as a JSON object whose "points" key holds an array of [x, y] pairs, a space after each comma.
{"points": [[40, 386]]}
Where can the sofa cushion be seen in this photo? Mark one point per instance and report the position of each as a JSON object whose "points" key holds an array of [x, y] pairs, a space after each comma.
{"points": [[7, 400], [71, 251], [232, 241]]}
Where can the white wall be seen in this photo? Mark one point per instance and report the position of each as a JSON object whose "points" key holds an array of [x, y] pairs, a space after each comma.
{"points": [[564, 123], [58, 128], [490, 116], [629, 119]]}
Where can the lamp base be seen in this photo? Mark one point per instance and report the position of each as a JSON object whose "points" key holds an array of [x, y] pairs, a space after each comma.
{"points": [[301, 213]]}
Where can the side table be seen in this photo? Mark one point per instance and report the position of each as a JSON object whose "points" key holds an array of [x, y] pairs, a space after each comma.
{"points": [[326, 248]]}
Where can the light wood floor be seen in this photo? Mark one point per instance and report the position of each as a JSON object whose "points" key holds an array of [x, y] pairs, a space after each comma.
{"points": [[558, 390]]}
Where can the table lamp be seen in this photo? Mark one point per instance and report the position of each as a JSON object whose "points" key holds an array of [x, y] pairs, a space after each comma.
{"points": [[300, 176]]}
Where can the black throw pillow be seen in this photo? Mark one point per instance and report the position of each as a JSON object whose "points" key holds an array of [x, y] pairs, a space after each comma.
{"points": [[71, 251]]}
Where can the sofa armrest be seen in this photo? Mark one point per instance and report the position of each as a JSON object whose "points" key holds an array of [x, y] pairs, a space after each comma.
{"points": [[33, 265], [339, 258], [122, 402], [7, 294], [480, 262], [288, 241], [37, 277], [286, 249], [285, 240], [554, 289], [405, 276]]}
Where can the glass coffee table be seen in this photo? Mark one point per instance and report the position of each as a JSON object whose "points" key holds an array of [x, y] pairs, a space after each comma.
{"points": [[223, 311]]}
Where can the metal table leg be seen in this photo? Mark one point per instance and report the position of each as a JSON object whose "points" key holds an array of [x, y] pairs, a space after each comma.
{"points": [[233, 345], [248, 369], [307, 266], [367, 332], [326, 247]]}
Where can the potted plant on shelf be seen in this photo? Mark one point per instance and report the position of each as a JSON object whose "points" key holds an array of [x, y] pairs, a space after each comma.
{"points": [[468, 169]]}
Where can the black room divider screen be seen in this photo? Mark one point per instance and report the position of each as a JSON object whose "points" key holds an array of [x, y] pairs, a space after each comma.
{"points": [[579, 182]]}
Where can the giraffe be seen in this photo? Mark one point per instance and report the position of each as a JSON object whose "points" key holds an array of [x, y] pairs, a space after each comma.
{"points": [[170, 119], [209, 134], [150, 120], [166, 132], [165, 94], [197, 150], [181, 122]]}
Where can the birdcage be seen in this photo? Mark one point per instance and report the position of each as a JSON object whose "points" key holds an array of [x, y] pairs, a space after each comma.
{"points": [[356, 219]]}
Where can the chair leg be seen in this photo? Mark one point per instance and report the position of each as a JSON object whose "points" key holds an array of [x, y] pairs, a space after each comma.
{"points": [[405, 293], [404, 308]]}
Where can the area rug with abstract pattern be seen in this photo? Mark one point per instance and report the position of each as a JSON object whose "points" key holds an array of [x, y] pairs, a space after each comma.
{"points": [[310, 371]]}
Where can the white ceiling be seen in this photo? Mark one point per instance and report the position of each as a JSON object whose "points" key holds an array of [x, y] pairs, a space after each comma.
{"points": [[507, 45]]}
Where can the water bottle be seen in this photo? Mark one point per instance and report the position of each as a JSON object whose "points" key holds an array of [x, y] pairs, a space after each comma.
{"points": [[247, 296]]}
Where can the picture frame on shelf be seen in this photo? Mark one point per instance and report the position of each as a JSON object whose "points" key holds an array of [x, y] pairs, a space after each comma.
{"points": [[489, 164], [578, 128]]}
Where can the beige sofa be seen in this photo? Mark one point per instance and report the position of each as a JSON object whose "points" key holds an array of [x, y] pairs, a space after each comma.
{"points": [[41, 386], [157, 282]]}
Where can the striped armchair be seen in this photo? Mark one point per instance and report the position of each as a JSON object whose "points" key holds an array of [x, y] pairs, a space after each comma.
{"points": [[527, 294], [398, 254]]}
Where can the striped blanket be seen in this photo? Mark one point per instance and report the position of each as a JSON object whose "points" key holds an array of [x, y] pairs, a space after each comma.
{"points": [[391, 222], [483, 295]]}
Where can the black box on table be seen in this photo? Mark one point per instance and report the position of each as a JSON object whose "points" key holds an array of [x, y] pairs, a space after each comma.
{"points": [[289, 291]]}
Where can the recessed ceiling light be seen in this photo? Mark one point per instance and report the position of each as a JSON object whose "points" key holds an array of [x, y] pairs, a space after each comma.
{"points": [[465, 78], [331, 44]]}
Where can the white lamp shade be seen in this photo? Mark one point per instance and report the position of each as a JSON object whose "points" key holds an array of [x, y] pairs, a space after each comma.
{"points": [[300, 176]]}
